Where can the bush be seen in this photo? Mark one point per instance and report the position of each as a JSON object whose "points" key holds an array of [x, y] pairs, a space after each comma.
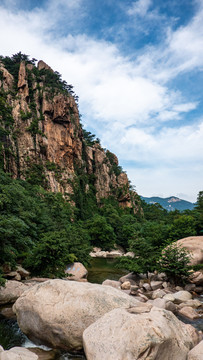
{"points": [[50, 256], [174, 261]]}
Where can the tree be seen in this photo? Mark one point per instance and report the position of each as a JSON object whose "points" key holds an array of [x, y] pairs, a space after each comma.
{"points": [[50, 256], [199, 213], [174, 261], [183, 226], [145, 257], [101, 233]]}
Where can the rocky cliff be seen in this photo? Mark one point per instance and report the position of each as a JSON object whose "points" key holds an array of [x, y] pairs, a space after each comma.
{"points": [[42, 140]]}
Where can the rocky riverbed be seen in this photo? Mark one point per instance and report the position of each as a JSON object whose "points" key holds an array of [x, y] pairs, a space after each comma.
{"points": [[69, 316]]}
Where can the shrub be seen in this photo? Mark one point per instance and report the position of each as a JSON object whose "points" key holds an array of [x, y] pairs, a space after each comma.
{"points": [[174, 261]]}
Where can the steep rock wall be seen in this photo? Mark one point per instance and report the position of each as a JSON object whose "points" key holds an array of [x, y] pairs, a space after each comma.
{"points": [[43, 139]]}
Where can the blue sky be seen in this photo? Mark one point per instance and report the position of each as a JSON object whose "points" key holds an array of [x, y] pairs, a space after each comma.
{"points": [[137, 69]]}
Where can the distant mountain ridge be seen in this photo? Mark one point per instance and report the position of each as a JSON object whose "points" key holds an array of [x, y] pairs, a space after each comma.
{"points": [[170, 203]]}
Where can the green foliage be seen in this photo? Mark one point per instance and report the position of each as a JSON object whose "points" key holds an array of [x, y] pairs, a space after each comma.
{"points": [[174, 261], [50, 255], [25, 116], [2, 280], [101, 233], [183, 226], [145, 256], [35, 174], [154, 212], [199, 213], [115, 168], [84, 195], [56, 249], [89, 138]]}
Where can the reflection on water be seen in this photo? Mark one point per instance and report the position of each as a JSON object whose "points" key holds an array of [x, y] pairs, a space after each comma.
{"points": [[101, 269]]}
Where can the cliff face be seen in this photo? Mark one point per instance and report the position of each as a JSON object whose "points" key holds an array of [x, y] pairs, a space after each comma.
{"points": [[41, 138]]}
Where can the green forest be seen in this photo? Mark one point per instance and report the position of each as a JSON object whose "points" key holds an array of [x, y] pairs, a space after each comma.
{"points": [[44, 232]]}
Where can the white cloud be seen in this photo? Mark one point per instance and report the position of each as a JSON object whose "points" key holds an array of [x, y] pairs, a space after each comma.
{"points": [[139, 7]]}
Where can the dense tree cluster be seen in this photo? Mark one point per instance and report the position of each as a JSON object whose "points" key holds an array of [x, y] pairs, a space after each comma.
{"points": [[43, 231]]}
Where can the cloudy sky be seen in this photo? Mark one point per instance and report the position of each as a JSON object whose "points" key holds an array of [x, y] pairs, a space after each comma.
{"points": [[137, 69]]}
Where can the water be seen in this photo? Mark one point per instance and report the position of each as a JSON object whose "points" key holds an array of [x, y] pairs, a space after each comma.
{"points": [[101, 269]]}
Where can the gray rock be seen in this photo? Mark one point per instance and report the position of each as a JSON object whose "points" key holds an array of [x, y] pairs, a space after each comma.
{"points": [[196, 353], [156, 285], [182, 296], [57, 312], [126, 285], [113, 283], [188, 312], [11, 291], [156, 335], [76, 271], [159, 293], [18, 353]]}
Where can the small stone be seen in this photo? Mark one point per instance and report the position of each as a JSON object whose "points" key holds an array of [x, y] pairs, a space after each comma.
{"points": [[17, 277], [169, 297], [165, 285], [134, 287], [129, 277], [182, 296], [189, 287], [194, 303], [126, 285], [160, 303], [113, 283], [159, 293], [189, 312], [178, 288], [197, 278], [170, 306], [156, 284], [24, 273], [146, 286]]}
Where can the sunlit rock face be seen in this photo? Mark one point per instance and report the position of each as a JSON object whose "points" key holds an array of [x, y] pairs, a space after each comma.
{"points": [[45, 137]]}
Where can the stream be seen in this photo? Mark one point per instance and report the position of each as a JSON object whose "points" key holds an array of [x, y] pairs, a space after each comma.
{"points": [[100, 270]]}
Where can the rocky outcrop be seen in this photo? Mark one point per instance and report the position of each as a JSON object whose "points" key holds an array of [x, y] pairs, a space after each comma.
{"points": [[57, 312], [11, 291], [18, 353], [194, 244], [46, 139], [154, 334]]}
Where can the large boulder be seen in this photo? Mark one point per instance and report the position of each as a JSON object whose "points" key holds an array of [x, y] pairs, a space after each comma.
{"points": [[56, 312], [76, 271], [194, 244], [18, 353], [11, 291], [155, 334], [197, 352]]}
